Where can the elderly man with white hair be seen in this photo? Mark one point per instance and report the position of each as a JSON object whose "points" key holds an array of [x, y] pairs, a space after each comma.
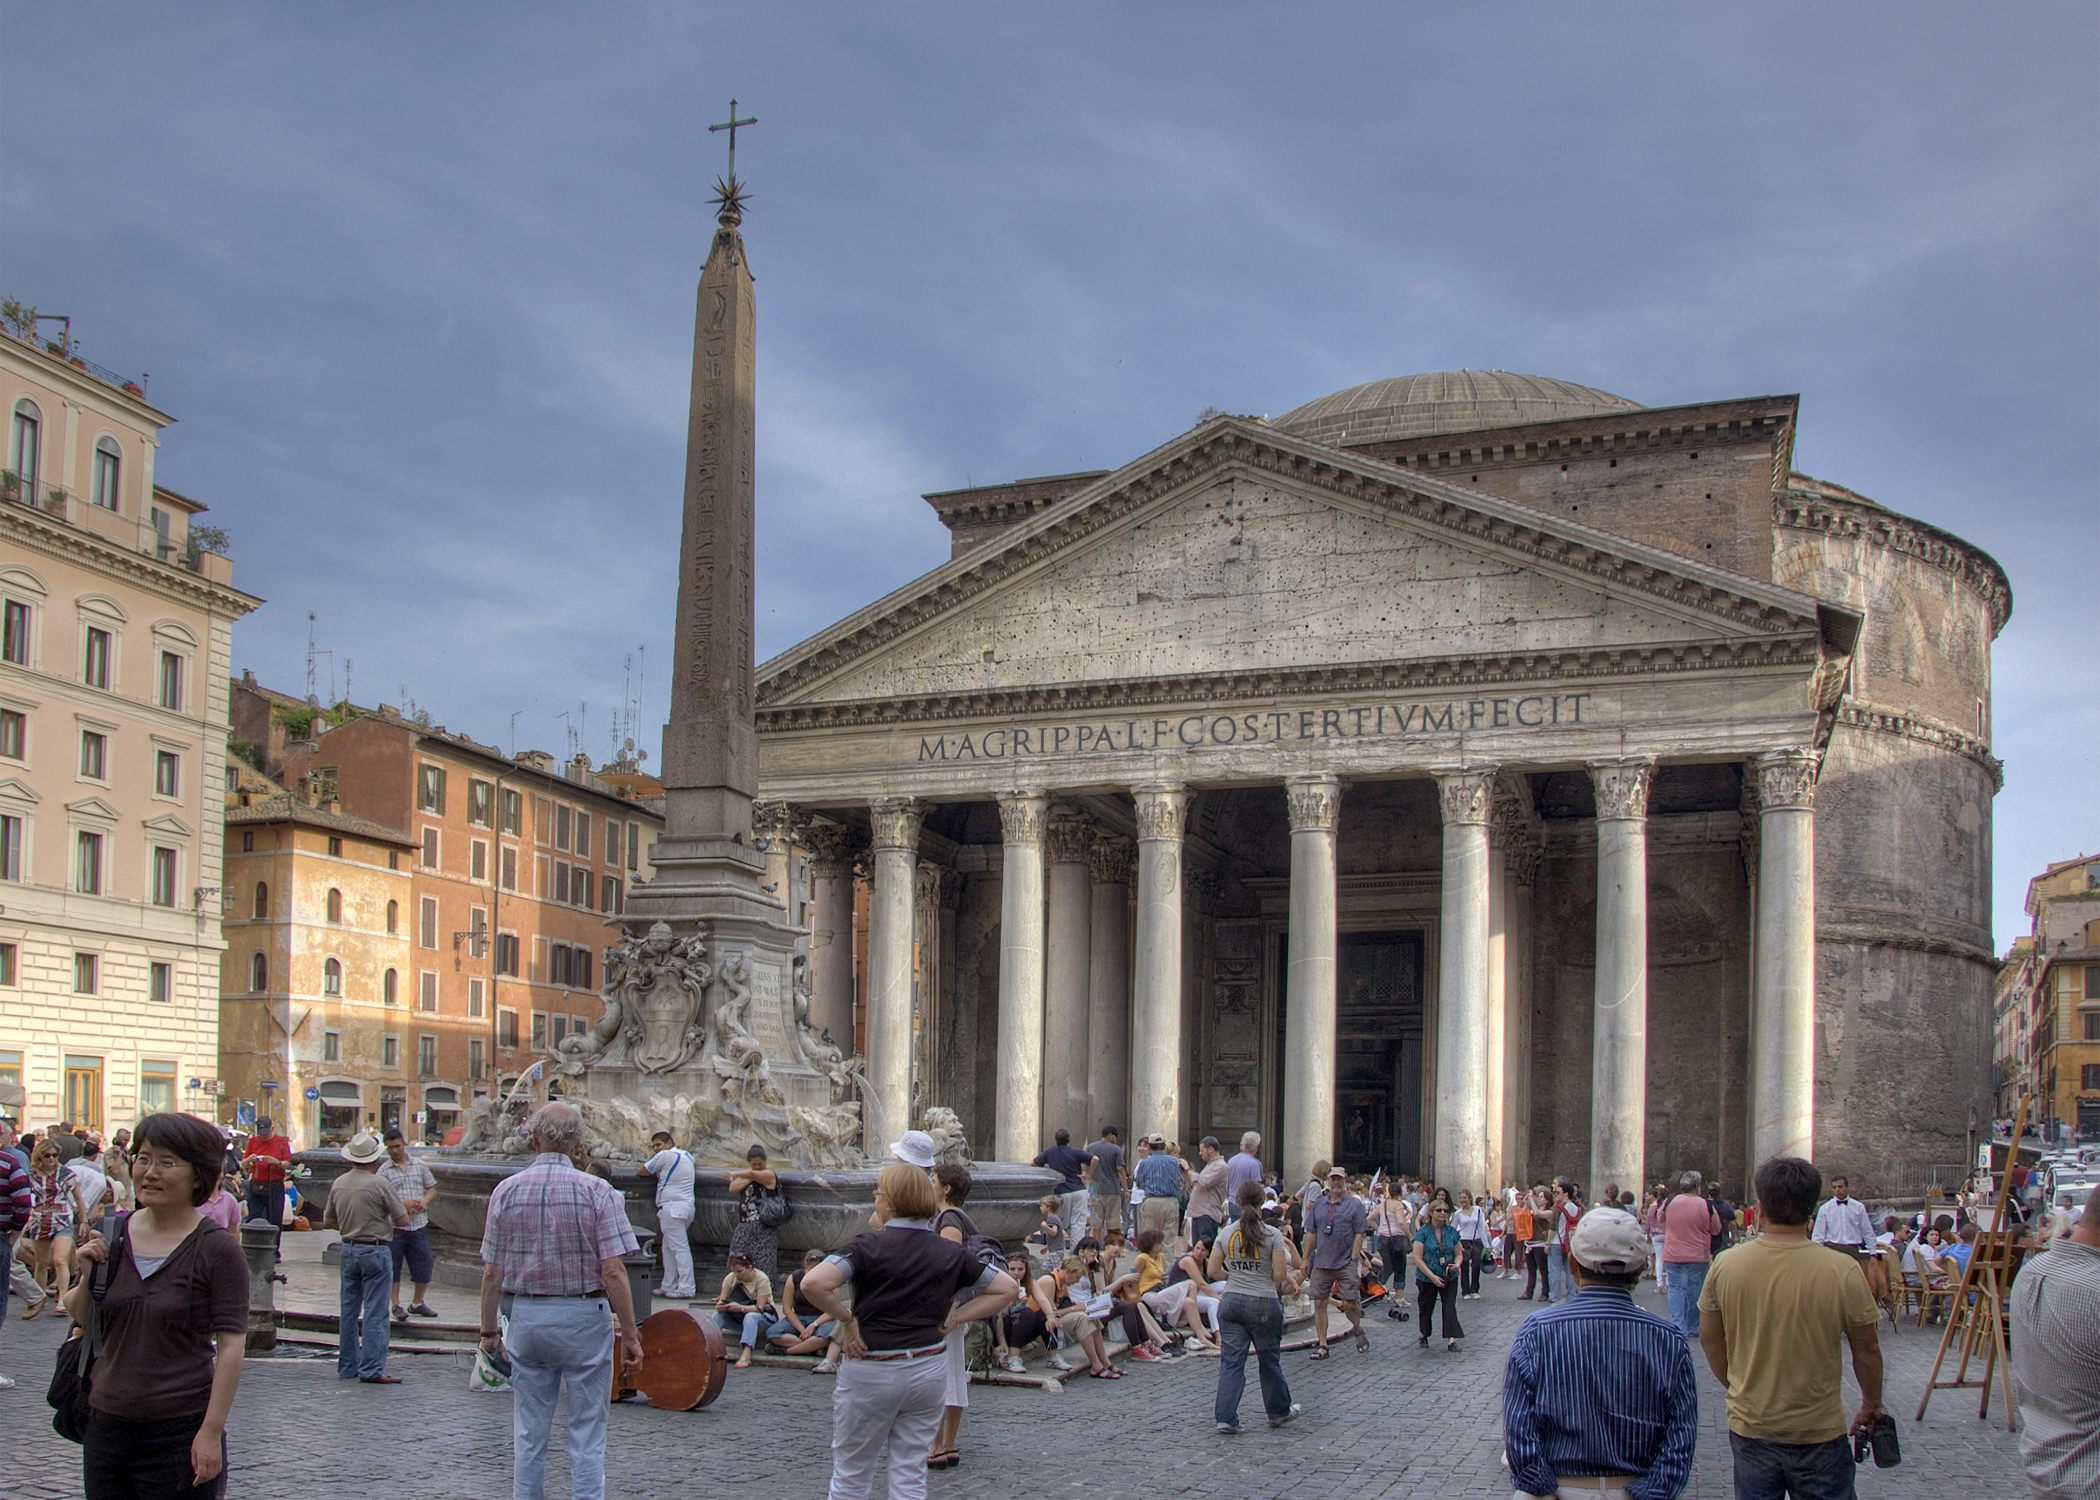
{"points": [[553, 1249], [1245, 1167]]}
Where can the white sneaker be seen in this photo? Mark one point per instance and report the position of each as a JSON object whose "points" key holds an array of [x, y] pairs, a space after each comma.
{"points": [[1059, 1363], [1013, 1366], [7, 1382]]}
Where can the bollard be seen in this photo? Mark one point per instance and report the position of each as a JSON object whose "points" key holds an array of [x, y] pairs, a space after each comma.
{"points": [[641, 1266], [259, 1244]]}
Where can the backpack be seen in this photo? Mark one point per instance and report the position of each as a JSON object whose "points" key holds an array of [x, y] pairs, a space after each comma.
{"points": [[980, 1247], [71, 1370]]}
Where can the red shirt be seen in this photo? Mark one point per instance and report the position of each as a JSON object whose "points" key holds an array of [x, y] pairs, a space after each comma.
{"points": [[266, 1157]]}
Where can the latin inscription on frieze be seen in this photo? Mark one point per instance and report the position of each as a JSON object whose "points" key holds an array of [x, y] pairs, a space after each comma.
{"points": [[1356, 721]]}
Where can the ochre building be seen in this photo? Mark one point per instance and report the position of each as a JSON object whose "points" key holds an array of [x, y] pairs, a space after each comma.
{"points": [[1471, 773]]}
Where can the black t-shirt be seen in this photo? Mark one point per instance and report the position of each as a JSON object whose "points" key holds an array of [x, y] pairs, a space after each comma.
{"points": [[1069, 1162], [905, 1278]]}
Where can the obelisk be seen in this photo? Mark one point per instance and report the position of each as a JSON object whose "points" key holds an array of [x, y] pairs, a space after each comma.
{"points": [[708, 867]]}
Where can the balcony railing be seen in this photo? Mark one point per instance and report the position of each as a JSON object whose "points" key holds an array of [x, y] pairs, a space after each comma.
{"points": [[61, 504]]}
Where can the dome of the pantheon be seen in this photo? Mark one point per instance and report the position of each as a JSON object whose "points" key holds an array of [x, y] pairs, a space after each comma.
{"points": [[1411, 406]]}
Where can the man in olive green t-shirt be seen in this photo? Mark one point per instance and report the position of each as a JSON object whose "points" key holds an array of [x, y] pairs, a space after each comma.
{"points": [[1772, 1317]]}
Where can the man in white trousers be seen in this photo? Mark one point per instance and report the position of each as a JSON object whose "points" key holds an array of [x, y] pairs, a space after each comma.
{"points": [[673, 1171]]}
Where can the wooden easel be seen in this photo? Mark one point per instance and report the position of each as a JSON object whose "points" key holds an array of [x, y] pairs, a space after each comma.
{"points": [[1978, 1315]]}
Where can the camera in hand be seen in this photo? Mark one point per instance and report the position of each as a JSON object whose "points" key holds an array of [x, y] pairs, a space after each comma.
{"points": [[1878, 1438]]}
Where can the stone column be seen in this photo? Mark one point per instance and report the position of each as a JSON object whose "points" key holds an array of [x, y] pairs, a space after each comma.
{"points": [[1515, 856], [1462, 983], [927, 1017], [833, 851], [1021, 817], [1155, 1072], [887, 1112], [1619, 1041], [773, 835], [1314, 802], [1783, 1017], [1108, 985], [1067, 976]]}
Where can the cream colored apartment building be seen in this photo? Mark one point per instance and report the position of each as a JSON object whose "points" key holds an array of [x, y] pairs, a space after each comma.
{"points": [[115, 635]]}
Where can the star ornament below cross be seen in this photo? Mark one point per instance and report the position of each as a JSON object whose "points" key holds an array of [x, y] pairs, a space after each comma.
{"points": [[730, 196]]}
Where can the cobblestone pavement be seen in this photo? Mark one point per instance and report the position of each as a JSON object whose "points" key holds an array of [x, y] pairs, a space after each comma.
{"points": [[1398, 1421]]}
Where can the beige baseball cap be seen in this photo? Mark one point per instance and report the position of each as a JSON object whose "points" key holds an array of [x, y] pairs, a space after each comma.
{"points": [[1609, 1240]]}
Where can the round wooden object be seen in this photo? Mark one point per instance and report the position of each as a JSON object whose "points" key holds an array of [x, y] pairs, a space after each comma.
{"points": [[685, 1363]]}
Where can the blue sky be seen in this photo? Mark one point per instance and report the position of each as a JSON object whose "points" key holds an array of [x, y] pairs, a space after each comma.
{"points": [[417, 280]]}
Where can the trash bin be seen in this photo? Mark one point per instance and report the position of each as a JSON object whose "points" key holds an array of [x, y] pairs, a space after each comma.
{"points": [[641, 1273]]}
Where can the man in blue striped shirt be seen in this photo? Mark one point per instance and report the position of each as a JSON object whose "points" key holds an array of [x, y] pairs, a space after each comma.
{"points": [[1598, 1390]]}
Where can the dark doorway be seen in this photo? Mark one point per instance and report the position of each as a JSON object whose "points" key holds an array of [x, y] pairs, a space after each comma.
{"points": [[1378, 1049]]}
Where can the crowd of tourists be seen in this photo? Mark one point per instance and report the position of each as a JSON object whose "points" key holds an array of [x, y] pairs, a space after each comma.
{"points": [[1154, 1254]]}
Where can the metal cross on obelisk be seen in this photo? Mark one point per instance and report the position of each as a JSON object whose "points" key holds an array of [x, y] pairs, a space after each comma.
{"points": [[729, 193]]}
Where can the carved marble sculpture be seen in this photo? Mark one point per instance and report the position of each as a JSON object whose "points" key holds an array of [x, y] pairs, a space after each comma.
{"points": [[679, 1014]]}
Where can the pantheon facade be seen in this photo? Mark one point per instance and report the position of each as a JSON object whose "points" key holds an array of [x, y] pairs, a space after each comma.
{"points": [[1470, 774]]}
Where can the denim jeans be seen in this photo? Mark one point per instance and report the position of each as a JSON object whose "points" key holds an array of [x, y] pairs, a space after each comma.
{"points": [[1559, 1284], [781, 1328], [749, 1327], [559, 1343], [1245, 1320], [266, 1202], [1766, 1470], [361, 1332], [1687, 1281]]}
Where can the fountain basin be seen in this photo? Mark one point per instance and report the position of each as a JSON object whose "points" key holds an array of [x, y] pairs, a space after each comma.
{"points": [[830, 1206]]}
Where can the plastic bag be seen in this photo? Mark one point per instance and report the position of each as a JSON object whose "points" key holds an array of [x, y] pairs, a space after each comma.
{"points": [[491, 1372]]}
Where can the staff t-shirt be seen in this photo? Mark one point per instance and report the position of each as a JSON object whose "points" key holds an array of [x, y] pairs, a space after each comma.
{"points": [[673, 1171], [1068, 1162], [1786, 1307], [1247, 1270]]}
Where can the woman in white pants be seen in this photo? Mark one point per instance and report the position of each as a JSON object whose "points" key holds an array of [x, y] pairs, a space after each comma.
{"points": [[894, 1382]]}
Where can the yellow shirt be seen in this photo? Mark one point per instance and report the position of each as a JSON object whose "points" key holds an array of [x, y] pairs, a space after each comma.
{"points": [[1785, 1308], [1149, 1273]]}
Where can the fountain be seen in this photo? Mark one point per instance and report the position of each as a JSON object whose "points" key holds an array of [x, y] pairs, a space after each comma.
{"points": [[706, 1028]]}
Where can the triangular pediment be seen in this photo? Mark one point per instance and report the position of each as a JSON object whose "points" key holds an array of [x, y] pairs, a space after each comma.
{"points": [[14, 789], [168, 826], [1237, 550], [92, 808]]}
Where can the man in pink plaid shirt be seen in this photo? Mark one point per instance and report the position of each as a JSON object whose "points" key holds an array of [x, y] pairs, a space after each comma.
{"points": [[552, 1248]]}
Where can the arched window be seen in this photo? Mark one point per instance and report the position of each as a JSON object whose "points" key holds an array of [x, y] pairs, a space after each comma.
{"points": [[393, 917], [259, 973], [109, 471], [390, 988], [332, 977], [262, 900], [335, 904], [25, 448]]}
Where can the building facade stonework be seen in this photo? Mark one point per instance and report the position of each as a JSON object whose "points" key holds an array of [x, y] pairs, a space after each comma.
{"points": [[1520, 780], [115, 632]]}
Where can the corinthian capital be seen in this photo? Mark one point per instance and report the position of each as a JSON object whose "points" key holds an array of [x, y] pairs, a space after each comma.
{"points": [[1786, 778], [1622, 789], [771, 823], [926, 886], [832, 847], [896, 822], [1465, 794], [1112, 858], [1315, 802], [1071, 837], [1022, 815], [1162, 806]]}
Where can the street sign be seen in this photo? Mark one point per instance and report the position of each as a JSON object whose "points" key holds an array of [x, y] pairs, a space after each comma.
{"points": [[313, 1094], [271, 1085]]}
